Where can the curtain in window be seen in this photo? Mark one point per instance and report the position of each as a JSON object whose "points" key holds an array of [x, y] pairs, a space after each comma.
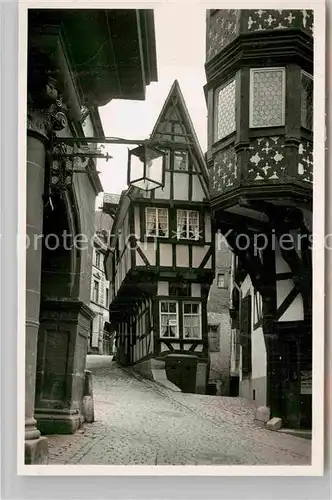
{"points": [[168, 320], [151, 221], [162, 222], [193, 226], [191, 321], [181, 224]]}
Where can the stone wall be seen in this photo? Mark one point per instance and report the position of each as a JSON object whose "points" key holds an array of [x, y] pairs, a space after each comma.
{"points": [[218, 315]]}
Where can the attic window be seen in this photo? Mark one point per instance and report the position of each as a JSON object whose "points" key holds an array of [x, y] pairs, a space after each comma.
{"points": [[181, 160]]}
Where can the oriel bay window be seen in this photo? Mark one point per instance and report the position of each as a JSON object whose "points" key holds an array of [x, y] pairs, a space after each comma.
{"points": [[156, 222], [188, 224]]}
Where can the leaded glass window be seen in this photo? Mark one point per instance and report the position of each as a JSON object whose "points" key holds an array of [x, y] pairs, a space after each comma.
{"points": [[225, 111], [169, 323], [192, 320], [307, 91], [187, 225], [267, 97], [157, 222]]}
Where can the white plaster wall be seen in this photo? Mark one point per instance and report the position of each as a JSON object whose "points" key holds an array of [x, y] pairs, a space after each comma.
{"points": [[149, 249], [197, 190], [199, 254], [137, 222], [258, 354], [281, 265], [181, 186], [162, 288], [257, 381], [166, 254], [165, 192], [295, 310], [207, 222], [182, 256]]}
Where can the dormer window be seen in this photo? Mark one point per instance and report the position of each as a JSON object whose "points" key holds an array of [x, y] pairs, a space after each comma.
{"points": [[181, 160], [267, 97], [156, 222]]}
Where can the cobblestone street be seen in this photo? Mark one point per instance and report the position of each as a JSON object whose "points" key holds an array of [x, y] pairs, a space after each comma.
{"points": [[140, 422]]}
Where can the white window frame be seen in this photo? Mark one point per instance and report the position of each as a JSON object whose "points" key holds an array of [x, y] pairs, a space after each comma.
{"points": [[187, 236], [156, 209], [177, 336], [251, 92], [180, 152], [191, 302]]}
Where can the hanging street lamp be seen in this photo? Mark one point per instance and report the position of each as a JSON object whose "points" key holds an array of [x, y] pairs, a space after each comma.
{"points": [[146, 167], [69, 155]]}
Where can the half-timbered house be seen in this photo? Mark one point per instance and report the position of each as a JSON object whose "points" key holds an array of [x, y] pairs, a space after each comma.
{"points": [[259, 68], [161, 261]]}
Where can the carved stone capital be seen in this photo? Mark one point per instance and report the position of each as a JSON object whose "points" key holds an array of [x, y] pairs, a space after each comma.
{"points": [[46, 110]]}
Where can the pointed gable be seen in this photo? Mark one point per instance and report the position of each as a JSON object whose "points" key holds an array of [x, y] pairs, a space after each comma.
{"points": [[174, 125]]}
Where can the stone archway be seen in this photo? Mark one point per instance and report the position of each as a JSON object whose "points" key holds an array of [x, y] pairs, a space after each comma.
{"points": [[64, 323]]}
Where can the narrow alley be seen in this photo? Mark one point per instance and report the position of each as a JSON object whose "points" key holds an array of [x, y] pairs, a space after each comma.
{"points": [[138, 421]]}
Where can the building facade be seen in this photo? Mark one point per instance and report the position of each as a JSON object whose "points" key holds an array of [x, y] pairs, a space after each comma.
{"points": [[161, 261], [219, 324], [69, 77], [101, 337], [259, 91]]}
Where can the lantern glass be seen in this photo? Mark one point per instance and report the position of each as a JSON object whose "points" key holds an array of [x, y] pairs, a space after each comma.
{"points": [[146, 168]]}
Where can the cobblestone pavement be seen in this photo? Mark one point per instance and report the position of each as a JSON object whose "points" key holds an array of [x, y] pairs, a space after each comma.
{"points": [[137, 421]]}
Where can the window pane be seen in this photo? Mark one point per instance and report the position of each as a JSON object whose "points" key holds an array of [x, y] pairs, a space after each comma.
{"points": [[225, 111], [194, 308], [163, 306], [181, 160], [187, 308], [172, 307], [187, 224], [307, 89], [267, 97]]}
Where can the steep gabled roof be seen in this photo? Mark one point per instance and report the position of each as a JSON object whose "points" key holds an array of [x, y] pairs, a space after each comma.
{"points": [[175, 105]]}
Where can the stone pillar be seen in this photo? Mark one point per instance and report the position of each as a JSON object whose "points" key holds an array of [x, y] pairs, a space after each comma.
{"points": [[62, 348], [36, 448]]}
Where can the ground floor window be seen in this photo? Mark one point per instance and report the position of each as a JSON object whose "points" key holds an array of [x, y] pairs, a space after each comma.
{"points": [[169, 319], [192, 320]]}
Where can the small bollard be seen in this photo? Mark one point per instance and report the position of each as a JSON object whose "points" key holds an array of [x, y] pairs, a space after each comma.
{"points": [[87, 404]]}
